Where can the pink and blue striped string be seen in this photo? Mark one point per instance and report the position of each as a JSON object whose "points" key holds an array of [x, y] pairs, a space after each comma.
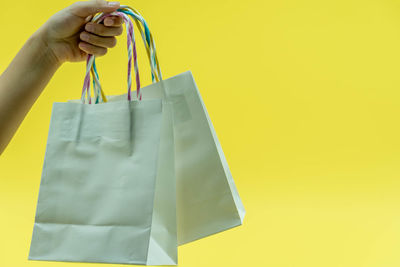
{"points": [[147, 39], [131, 52], [146, 36], [150, 47], [91, 65], [86, 82]]}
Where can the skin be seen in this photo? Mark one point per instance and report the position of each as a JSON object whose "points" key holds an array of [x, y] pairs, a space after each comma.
{"points": [[67, 36]]}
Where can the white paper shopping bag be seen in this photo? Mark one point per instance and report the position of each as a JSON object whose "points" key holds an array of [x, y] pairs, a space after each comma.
{"points": [[107, 192], [207, 199]]}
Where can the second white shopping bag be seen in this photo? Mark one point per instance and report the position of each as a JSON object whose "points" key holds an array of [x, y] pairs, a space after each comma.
{"points": [[107, 192]]}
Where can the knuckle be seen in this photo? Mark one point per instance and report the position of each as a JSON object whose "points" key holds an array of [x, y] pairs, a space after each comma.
{"points": [[92, 10]]}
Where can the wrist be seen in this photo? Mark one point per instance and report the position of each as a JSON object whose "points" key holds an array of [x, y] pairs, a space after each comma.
{"points": [[46, 54]]}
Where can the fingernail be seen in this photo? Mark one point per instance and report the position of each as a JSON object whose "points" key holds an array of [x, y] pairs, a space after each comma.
{"points": [[88, 18], [113, 4], [83, 45], [108, 22], [89, 27], [84, 36]]}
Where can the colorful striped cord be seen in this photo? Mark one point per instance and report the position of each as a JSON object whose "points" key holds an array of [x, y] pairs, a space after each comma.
{"points": [[91, 65], [148, 40]]}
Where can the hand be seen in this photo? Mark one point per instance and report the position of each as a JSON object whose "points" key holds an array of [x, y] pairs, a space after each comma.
{"points": [[71, 37]]}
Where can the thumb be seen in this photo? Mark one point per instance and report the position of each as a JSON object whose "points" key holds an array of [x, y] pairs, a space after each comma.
{"points": [[85, 8]]}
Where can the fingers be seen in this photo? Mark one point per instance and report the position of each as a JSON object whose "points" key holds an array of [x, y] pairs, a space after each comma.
{"points": [[106, 42], [101, 30], [98, 37], [85, 8], [92, 49]]}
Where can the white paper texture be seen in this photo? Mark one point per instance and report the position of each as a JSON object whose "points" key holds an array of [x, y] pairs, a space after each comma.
{"points": [[103, 195]]}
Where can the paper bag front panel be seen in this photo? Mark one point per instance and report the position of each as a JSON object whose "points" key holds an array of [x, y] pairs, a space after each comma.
{"points": [[97, 189]]}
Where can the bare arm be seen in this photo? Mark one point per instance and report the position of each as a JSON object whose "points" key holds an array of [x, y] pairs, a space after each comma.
{"points": [[22, 82], [66, 36]]}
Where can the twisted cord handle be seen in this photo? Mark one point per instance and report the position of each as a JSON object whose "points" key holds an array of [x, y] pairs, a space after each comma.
{"points": [[91, 66], [150, 49]]}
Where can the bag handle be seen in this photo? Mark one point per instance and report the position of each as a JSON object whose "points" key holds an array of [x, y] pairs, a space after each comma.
{"points": [[147, 39], [91, 67], [150, 49]]}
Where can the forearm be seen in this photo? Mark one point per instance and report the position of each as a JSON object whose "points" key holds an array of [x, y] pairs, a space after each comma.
{"points": [[22, 82]]}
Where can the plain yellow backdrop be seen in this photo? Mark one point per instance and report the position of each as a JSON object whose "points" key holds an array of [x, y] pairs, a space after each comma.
{"points": [[305, 99]]}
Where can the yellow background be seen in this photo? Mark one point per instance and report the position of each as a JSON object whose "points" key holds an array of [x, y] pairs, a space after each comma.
{"points": [[305, 99]]}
